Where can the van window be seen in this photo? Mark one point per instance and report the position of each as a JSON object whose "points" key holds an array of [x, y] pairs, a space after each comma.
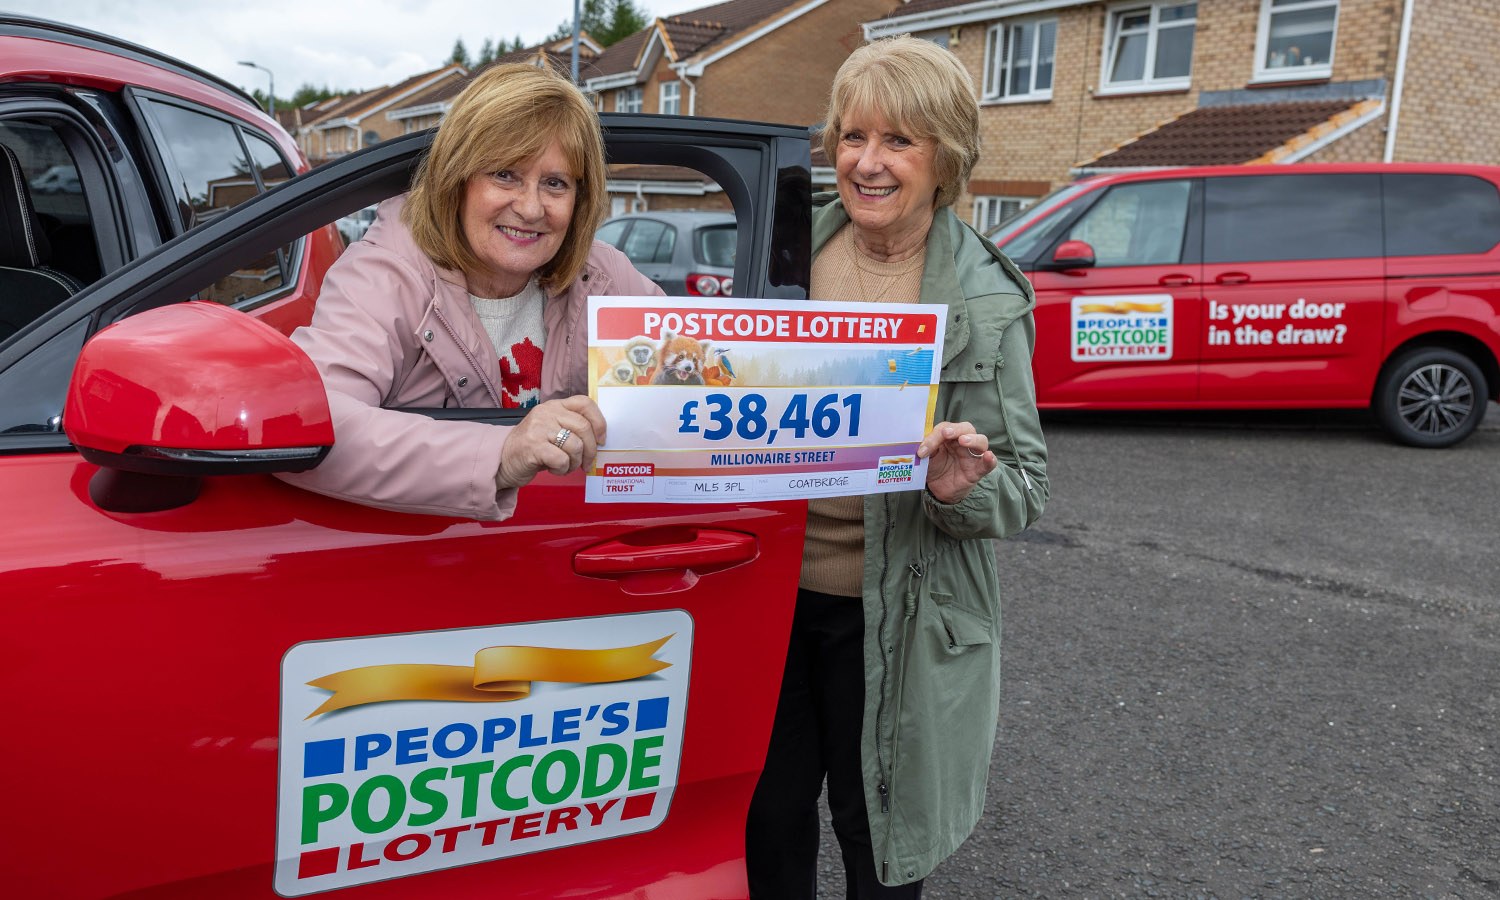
{"points": [[1262, 218], [1137, 224], [1428, 215]]}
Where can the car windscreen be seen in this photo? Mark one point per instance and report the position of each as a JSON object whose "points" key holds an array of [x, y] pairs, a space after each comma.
{"points": [[715, 245], [1053, 202]]}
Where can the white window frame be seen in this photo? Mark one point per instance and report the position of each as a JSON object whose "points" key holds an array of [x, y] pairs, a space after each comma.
{"points": [[984, 202], [1292, 73], [628, 99], [997, 67], [675, 99], [1149, 83]]}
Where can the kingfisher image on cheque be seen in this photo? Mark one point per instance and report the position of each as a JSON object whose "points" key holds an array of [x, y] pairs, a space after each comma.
{"points": [[760, 398]]}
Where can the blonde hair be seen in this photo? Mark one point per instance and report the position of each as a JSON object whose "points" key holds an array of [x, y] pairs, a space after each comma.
{"points": [[920, 89], [507, 115]]}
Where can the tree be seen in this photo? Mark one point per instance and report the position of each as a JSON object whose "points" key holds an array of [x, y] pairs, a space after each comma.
{"points": [[460, 54], [606, 21], [310, 94], [304, 95], [625, 19], [487, 53]]}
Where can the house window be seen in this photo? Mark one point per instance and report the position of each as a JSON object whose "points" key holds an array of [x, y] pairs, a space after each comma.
{"points": [[991, 211], [671, 98], [1295, 39], [628, 100], [1018, 60], [1149, 47]]}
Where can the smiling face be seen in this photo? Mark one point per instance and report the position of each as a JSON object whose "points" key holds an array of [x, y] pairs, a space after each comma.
{"points": [[888, 182], [515, 220]]}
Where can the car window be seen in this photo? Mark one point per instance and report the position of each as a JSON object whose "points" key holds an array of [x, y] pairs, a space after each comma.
{"points": [[641, 243], [57, 196], [1262, 218], [666, 245], [1051, 207], [716, 245], [272, 169], [210, 174], [1438, 214], [610, 232], [1137, 224]]}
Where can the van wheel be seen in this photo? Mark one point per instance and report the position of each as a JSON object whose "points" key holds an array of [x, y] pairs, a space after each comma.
{"points": [[1431, 397]]}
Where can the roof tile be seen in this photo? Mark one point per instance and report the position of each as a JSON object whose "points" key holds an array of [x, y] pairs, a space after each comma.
{"points": [[1220, 135]]}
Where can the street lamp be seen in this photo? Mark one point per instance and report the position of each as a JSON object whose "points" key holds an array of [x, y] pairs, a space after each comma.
{"points": [[273, 83]]}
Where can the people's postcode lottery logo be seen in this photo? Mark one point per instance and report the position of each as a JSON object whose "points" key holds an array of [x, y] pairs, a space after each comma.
{"points": [[403, 754], [894, 469]]}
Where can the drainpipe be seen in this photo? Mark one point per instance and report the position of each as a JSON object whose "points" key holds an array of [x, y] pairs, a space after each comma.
{"points": [[1390, 131], [692, 92]]}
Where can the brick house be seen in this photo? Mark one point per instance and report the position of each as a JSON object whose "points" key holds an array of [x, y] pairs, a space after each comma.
{"points": [[1069, 87], [763, 60], [345, 124], [427, 107]]}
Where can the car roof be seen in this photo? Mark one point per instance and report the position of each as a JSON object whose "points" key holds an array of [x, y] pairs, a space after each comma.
{"points": [[686, 217], [14, 25], [1098, 178]]}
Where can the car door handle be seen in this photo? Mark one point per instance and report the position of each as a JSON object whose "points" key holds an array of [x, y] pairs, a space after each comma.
{"points": [[1174, 280], [665, 559], [1232, 278]]}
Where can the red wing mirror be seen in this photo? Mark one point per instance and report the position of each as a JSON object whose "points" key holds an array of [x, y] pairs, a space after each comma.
{"points": [[163, 398], [1072, 255]]}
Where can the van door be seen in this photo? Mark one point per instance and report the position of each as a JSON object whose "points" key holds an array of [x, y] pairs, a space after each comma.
{"points": [[1293, 289], [1122, 332]]}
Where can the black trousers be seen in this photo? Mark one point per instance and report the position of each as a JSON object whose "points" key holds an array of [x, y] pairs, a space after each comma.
{"points": [[816, 734]]}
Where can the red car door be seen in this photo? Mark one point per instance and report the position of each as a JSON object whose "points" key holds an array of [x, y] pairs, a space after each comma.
{"points": [[1122, 332], [257, 690], [1294, 290]]}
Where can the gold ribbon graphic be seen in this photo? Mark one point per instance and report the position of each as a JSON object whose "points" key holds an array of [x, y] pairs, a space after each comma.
{"points": [[498, 674], [1119, 308]]}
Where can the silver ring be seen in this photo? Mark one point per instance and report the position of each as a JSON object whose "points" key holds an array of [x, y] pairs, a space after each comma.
{"points": [[562, 437], [973, 454]]}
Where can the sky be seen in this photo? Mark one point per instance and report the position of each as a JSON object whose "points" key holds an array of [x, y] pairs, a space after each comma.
{"points": [[344, 45]]}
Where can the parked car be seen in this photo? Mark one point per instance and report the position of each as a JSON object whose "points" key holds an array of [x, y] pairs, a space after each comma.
{"points": [[119, 149], [1357, 285], [690, 253], [172, 613], [57, 179], [353, 226]]}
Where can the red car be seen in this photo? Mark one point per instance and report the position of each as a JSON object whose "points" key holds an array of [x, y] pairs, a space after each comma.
{"points": [[1358, 285], [117, 149], [243, 689]]}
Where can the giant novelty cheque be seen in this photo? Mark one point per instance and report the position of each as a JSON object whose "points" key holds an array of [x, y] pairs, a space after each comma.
{"points": [[760, 399]]}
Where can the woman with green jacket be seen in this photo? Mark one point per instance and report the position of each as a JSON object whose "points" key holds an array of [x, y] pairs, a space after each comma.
{"points": [[891, 688]]}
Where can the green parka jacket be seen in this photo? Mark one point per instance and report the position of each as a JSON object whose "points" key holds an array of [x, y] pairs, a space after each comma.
{"points": [[931, 593]]}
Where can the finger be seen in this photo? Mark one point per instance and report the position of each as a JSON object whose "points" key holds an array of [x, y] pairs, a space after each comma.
{"points": [[590, 411], [934, 438], [584, 448], [975, 443], [553, 458]]}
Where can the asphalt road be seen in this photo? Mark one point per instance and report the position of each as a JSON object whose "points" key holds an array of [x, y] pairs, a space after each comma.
{"points": [[1246, 656]]}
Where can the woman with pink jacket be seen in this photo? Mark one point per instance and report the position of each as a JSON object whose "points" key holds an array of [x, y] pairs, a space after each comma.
{"points": [[471, 291]]}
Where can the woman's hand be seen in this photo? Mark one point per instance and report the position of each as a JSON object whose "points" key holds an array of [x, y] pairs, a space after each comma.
{"points": [[533, 445], [958, 456]]}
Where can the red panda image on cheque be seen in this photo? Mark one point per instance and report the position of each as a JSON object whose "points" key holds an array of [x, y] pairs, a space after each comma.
{"points": [[680, 361]]}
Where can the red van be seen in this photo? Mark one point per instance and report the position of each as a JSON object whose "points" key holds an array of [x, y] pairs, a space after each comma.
{"points": [[1297, 286]]}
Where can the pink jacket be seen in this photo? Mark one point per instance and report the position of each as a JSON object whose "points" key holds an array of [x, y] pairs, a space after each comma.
{"points": [[392, 329]]}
